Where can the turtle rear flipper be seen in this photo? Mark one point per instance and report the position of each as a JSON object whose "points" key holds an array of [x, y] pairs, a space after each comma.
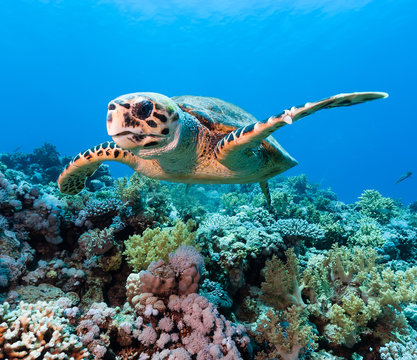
{"points": [[72, 179], [233, 146]]}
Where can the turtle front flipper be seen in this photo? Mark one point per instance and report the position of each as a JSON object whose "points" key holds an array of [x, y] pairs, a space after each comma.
{"points": [[240, 140], [72, 179]]}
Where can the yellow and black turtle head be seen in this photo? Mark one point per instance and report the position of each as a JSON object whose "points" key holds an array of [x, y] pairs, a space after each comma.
{"points": [[144, 123]]}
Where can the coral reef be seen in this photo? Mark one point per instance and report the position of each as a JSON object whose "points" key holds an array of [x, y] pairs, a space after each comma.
{"points": [[135, 268]]}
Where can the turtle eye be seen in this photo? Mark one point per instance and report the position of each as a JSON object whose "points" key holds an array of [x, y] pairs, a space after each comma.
{"points": [[143, 109]]}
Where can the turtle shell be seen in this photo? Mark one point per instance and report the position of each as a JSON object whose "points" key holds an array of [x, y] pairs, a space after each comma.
{"points": [[217, 115]]}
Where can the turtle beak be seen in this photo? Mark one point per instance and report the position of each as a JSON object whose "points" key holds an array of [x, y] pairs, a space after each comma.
{"points": [[121, 133]]}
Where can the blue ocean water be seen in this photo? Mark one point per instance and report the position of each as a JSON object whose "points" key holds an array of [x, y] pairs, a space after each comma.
{"points": [[63, 60]]}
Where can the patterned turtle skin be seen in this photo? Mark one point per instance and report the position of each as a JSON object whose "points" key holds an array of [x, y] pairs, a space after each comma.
{"points": [[194, 139]]}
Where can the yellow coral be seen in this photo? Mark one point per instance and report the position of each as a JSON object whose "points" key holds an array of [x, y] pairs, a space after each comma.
{"points": [[282, 287], [371, 203], [347, 320], [393, 288], [346, 289], [367, 235], [155, 244], [287, 333]]}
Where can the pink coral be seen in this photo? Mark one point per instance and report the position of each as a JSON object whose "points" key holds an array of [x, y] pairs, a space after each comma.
{"points": [[148, 336], [185, 257]]}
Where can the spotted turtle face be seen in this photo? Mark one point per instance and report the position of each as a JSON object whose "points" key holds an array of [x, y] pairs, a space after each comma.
{"points": [[142, 121]]}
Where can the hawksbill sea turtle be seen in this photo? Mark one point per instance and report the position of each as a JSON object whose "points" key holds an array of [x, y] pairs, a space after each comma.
{"points": [[194, 140]]}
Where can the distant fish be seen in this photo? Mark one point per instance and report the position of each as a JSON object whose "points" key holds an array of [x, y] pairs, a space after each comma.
{"points": [[404, 176], [17, 149]]}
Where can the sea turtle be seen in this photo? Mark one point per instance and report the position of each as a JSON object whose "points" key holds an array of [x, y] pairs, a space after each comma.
{"points": [[194, 139]]}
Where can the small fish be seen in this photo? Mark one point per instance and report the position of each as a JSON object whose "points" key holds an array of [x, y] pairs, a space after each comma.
{"points": [[17, 149], [404, 176]]}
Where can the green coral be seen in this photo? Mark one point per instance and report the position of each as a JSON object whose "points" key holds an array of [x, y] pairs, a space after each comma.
{"points": [[155, 244], [283, 204], [282, 286], [287, 333], [142, 194], [372, 204], [335, 232], [345, 289], [233, 200], [367, 235]]}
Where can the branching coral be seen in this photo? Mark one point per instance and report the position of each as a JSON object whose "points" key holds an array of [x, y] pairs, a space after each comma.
{"points": [[398, 351], [40, 215], [295, 230], [232, 242], [371, 203], [38, 330], [215, 293], [98, 213], [142, 194], [367, 235], [156, 244]]}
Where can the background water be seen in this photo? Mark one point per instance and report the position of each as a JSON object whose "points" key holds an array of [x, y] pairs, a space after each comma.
{"points": [[62, 61]]}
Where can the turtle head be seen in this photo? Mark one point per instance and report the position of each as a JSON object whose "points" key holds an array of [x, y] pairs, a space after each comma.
{"points": [[144, 123]]}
